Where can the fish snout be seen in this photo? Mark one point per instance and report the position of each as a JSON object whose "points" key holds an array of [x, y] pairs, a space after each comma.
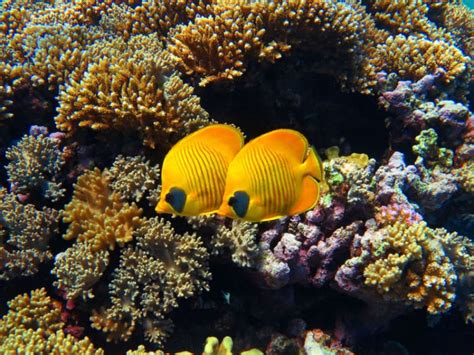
{"points": [[161, 207]]}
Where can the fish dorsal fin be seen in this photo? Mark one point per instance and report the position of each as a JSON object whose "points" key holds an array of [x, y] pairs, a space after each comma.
{"points": [[227, 139], [287, 142], [309, 196]]}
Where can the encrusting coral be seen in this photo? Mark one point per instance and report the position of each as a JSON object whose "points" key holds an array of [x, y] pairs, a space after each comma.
{"points": [[134, 178], [163, 268], [97, 214], [35, 163], [134, 91], [33, 325], [26, 234]]}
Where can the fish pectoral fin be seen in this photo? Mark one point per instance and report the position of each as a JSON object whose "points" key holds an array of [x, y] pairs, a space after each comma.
{"points": [[313, 165], [308, 198]]}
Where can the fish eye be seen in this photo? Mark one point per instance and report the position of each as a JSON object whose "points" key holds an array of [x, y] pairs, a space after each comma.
{"points": [[239, 203], [176, 197]]}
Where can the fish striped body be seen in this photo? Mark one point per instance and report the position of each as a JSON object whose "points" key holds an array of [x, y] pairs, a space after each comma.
{"points": [[194, 171], [204, 171], [272, 176]]}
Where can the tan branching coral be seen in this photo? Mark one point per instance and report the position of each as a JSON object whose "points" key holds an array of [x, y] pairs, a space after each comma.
{"points": [[33, 325], [221, 45], [26, 234], [408, 263], [162, 268], [406, 17], [412, 58], [35, 311], [134, 178], [135, 91], [49, 53], [155, 17], [98, 214], [458, 19], [239, 238], [35, 162], [78, 269]]}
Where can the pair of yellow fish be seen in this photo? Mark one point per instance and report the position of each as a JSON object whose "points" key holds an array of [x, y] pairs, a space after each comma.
{"points": [[211, 171]]}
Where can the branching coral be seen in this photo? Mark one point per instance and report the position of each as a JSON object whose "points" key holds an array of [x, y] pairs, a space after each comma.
{"points": [[27, 231], [33, 325], [49, 53], [406, 17], [137, 91], [162, 268], [35, 162], [78, 269], [98, 214], [408, 264], [134, 178], [155, 17], [239, 238], [412, 58], [221, 45]]}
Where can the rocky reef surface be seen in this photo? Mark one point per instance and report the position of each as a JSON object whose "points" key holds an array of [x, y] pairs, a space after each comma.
{"points": [[94, 93]]}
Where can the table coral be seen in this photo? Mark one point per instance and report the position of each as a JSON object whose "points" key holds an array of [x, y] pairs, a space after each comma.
{"points": [[134, 178], [98, 214], [26, 234], [163, 268], [35, 164], [137, 91]]}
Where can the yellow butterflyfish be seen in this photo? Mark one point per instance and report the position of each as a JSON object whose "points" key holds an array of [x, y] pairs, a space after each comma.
{"points": [[194, 171], [275, 175]]}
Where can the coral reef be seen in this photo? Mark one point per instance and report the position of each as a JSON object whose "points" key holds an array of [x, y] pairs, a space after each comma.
{"points": [[381, 89]]}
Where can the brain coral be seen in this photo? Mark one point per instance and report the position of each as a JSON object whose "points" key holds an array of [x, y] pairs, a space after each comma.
{"points": [[98, 214], [162, 268], [136, 90]]}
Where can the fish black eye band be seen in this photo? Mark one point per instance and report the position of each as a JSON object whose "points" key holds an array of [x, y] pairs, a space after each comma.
{"points": [[239, 203], [176, 197]]}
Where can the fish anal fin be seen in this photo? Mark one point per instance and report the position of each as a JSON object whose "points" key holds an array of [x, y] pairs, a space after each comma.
{"points": [[308, 198]]}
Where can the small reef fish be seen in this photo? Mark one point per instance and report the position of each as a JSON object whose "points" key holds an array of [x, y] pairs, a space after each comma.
{"points": [[275, 175], [194, 171]]}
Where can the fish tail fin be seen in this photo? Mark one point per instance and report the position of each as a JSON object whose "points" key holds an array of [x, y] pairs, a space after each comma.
{"points": [[314, 165]]}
